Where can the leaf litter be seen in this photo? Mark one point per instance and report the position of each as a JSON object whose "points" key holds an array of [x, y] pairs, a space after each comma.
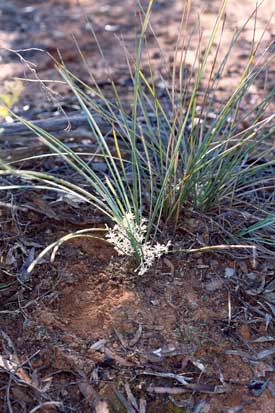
{"points": [[176, 342]]}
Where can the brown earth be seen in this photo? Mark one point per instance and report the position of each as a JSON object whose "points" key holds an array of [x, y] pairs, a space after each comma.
{"points": [[87, 326]]}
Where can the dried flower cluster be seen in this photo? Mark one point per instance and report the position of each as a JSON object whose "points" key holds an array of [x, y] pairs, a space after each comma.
{"points": [[127, 233]]}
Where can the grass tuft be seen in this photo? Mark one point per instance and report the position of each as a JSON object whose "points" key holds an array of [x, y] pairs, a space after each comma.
{"points": [[185, 150]]}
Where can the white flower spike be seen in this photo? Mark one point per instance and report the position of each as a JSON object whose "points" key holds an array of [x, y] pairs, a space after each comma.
{"points": [[122, 234]]}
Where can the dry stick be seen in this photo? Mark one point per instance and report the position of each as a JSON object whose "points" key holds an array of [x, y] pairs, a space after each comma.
{"points": [[167, 390], [181, 379], [8, 130], [200, 388], [70, 126], [8, 395], [142, 406], [61, 125]]}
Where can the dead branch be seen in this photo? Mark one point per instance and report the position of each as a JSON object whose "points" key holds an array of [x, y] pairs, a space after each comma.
{"points": [[54, 124]]}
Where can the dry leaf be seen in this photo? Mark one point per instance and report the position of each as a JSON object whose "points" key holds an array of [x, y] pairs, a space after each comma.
{"points": [[14, 368], [10, 95]]}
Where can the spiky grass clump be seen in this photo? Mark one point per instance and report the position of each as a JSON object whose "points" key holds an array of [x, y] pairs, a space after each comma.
{"points": [[177, 155]]}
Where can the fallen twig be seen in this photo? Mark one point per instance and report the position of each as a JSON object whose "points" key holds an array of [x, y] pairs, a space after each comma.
{"points": [[64, 123], [181, 379], [200, 388], [142, 406]]}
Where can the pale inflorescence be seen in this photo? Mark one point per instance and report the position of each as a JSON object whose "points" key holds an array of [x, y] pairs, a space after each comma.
{"points": [[127, 233]]}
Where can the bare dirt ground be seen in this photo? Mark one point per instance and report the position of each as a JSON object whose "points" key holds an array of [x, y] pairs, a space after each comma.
{"points": [[195, 334]]}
